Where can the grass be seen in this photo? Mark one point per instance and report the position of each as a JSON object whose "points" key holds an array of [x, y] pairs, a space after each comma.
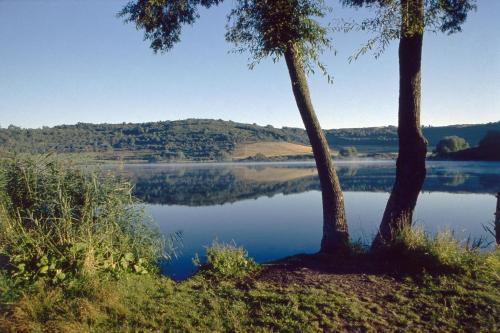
{"points": [[270, 149], [415, 252], [58, 222], [204, 303], [110, 284], [226, 261]]}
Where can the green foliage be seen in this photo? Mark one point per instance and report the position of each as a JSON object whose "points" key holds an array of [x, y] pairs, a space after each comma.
{"points": [[162, 20], [58, 222], [192, 139], [301, 300], [8, 289], [488, 150], [348, 152], [260, 157], [451, 144], [201, 140], [415, 251], [262, 27], [268, 28], [390, 16], [227, 261]]}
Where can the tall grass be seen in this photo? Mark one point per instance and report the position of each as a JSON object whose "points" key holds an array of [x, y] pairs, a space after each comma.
{"points": [[415, 251], [58, 221]]}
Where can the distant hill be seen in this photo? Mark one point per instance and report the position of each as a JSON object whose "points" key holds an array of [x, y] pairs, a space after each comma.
{"points": [[386, 138], [205, 139]]}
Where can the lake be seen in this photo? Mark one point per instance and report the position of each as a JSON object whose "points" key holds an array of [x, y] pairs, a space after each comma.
{"points": [[274, 209]]}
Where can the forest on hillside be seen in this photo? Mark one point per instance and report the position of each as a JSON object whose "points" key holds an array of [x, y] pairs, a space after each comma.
{"points": [[203, 139]]}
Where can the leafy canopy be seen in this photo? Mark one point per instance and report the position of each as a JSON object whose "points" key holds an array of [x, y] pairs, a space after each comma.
{"points": [[261, 27], [446, 16], [450, 144], [162, 20], [270, 27]]}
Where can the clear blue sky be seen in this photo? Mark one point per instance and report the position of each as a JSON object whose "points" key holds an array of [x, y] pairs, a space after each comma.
{"points": [[68, 61]]}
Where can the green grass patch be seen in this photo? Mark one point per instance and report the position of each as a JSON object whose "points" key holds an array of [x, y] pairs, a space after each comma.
{"points": [[153, 303], [415, 252], [226, 261]]}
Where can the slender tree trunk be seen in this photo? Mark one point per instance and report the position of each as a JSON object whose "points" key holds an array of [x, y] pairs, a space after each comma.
{"points": [[335, 233], [410, 165]]}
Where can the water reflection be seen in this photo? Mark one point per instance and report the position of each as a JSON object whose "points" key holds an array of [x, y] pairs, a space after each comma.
{"points": [[275, 210], [198, 185]]}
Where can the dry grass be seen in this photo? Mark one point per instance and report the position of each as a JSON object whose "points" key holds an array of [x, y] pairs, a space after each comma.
{"points": [[270, 149]]}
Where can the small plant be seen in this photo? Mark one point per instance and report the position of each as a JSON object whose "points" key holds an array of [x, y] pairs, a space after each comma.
{"points": [[227, 261]]}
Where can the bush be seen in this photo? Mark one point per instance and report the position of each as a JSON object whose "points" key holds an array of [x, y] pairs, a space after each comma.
{"points": [[348, 152], [59, 222], [450, 144], [227, 261]]}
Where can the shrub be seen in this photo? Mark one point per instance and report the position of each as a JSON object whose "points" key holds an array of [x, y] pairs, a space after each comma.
{"points": [[260, 157], [450, 144], [227, 261], [58, 221], [348, 152]]}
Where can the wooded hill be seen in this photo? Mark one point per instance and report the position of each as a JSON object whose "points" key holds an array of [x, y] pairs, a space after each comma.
{"points": [[203, 139]]}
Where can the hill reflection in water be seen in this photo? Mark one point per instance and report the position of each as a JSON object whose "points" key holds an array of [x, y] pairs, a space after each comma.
{"points": [[275, 210], [204, 185]]}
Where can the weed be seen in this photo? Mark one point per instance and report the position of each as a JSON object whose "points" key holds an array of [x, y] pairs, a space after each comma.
{"points": [[226, 261]]}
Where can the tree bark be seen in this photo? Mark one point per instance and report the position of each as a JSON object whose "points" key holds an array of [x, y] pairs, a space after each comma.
{"points": [[335, 233], [410, 165]]}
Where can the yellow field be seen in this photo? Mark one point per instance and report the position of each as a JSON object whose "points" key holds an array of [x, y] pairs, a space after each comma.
{"points": [[270, 149]]}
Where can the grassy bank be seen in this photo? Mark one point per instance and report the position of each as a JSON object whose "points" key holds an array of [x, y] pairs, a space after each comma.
{"points": [[300, 294], [75, 257]]}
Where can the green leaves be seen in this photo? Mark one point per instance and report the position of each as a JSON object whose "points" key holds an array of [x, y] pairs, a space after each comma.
{"points": [[393, 18], [264, 28], [162, 20], [31, 269], [130, 263], [267, 28], [451, 144]]}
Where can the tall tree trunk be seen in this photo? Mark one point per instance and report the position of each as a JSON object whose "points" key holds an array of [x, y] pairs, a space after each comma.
{"points": [[335, 233], [410, 165]]}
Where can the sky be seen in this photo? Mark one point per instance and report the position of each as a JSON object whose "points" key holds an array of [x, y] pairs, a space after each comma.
{"points": [[69, 61]]}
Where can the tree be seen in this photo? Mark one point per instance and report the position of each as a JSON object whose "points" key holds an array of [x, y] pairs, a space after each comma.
{"points": [[348, 152], [407, 20], [450, 144], [266, 28]]}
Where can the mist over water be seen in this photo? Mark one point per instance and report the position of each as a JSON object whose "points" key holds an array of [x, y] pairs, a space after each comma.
{"points": [[274, 210]]}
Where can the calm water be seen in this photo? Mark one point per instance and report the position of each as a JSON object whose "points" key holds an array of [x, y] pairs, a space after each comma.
{"points": [[274, 210]]}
